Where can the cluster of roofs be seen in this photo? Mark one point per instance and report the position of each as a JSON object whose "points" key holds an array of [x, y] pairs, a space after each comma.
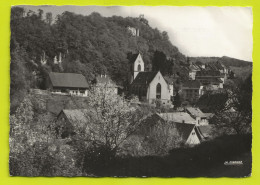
{"points": [[151, 86], [148, 86], [191, 124]]}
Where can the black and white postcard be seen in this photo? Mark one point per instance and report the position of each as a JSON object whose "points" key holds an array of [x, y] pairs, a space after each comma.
{"points": [[130, 91]]}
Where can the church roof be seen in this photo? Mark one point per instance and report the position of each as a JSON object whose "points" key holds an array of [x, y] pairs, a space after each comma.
{"points": [[133, 57], [69, 80], [144, 78]]}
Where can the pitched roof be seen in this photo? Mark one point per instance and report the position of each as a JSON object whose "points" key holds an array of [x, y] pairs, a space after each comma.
{"points": [[184, 130], [193, 111], [191, 84], [149, 122], [194, 67], [133, 57], [208, 73], [144, 78], [178, 117], [205, 131], [78, 117], [70, 80]]}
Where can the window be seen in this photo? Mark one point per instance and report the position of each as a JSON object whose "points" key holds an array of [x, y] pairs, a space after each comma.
{"points": [[139, 67], [158, 91]]}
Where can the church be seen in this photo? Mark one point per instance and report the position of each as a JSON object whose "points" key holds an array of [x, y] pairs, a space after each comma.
{"points": [[148, 86]]}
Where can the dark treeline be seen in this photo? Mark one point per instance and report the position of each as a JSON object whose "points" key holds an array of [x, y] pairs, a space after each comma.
{"points": [[90, 45]]}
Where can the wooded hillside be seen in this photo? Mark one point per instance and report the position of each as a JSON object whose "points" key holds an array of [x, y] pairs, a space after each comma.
{"points": [[90, 45]]}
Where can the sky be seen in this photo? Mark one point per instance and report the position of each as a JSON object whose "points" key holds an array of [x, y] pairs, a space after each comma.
{"points": [[196, 31]]}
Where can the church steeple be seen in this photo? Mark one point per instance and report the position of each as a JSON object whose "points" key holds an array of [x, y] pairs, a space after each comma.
{"points": [[137, 65]]}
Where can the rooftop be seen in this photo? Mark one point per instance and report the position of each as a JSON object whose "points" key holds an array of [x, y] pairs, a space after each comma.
{"points": [[184, 130], [133, 57], [178, 117], [191, 84], [69, 80], [144, 78], [79, 117], [214, 73], [195, 112]]}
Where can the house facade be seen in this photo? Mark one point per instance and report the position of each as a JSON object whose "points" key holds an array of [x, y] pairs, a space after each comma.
{"points": [[67, 84], [210, 78]]}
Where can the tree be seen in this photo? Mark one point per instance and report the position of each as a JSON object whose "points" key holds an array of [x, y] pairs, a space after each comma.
{"points": [[114, 118], [177, 101], [160, 139], [40, 12], [49, 18], [34, 149], [110, 121], [236, 115]]}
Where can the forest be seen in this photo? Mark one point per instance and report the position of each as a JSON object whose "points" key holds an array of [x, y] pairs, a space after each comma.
{"points": [[90, 45]]}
